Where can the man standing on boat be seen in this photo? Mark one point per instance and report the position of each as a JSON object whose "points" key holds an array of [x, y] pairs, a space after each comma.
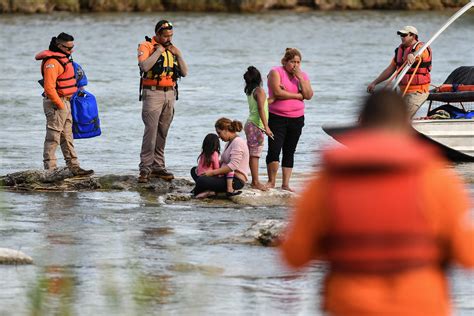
{"points": [[415, 92], [161, 65]]}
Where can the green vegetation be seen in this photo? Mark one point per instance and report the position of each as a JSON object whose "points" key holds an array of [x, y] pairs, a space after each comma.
{"points": [[43, 6]]}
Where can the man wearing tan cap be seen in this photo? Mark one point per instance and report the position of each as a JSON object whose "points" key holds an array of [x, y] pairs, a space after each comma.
{"points": [[418, 90]]}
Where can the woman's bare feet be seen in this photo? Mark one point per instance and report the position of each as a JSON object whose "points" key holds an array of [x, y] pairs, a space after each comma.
{"points": [[270, 185], [259, 186], [287, 188], [205, 194]]}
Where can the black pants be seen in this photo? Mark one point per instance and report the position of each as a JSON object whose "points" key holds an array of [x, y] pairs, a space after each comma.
{"points": [[286, 132], [216, 184]]}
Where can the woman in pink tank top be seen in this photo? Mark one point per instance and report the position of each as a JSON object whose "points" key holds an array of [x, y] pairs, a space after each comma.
{"points": [[288, 87]]}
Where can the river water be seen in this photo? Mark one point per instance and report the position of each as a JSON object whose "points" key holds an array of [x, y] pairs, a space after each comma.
{"points": [[129, 253]]}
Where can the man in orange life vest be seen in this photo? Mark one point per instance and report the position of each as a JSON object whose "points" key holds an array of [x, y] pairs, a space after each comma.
{"points": [[387, 215], [59, 83], [418, 90], [161, 65]]}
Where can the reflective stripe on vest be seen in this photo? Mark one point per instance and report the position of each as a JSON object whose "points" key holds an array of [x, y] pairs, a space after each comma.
{"points": [[422, 75], [376, 223], [66, 84]]}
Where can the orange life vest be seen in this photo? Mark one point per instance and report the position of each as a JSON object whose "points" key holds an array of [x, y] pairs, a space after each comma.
{"points": [[66, 84], [455, 88], [376, 222], [422, 75]]}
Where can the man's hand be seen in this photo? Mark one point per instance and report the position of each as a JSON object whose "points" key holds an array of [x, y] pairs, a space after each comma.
{"points": [[371, 87], [174, 50], [410, 59], [159, 48]]}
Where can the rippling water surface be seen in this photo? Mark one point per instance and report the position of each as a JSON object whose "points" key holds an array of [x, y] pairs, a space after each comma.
{"points": [[127, 253]]}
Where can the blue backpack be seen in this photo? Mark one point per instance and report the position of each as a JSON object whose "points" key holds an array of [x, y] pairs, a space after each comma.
{"points": [[84, 110], [85, 115], [81, 78]]}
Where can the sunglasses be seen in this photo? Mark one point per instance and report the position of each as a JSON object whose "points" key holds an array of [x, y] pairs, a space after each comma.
{"points": [[67, 47], [402, 35], [165, 26]]}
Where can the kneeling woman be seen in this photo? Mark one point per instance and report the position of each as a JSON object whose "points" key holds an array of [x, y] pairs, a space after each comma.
{"points": [[234, 158]]}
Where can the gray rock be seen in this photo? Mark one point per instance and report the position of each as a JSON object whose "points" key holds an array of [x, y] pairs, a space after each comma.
{"points": [[178, 197], [272, 197], [264, 233], [37, 180], [249, 197], [177, 190], [267, 232], [10, 256], [63, 180]]}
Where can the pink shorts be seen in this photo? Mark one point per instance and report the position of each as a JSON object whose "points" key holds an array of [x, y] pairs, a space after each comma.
{"points": [[255, 139]]}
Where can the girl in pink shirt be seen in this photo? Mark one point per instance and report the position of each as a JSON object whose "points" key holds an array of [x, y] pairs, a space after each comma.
{"points": [[209, 157], [208, 160]]}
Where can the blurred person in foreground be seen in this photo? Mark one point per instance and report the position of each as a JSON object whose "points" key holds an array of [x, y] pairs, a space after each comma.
{"points": [[388, 217]]}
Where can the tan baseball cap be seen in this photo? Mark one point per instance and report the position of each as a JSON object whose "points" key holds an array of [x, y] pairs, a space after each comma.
{"points": [[408, 29]]}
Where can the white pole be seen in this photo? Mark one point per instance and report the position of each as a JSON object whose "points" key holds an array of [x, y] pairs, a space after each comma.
{"points": [[422, 49]]}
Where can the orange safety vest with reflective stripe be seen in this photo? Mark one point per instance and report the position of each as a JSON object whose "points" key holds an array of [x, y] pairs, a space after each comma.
{"points": [[377, 224], [66, 84], [422, 75]]}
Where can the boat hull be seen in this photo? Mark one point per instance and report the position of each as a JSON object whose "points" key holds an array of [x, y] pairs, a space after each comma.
{"points": [[455, 138], [456, 134]]}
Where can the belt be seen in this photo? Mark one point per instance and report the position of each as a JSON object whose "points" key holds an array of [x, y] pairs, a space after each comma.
{"points": [[61, 97], [158, 88]]}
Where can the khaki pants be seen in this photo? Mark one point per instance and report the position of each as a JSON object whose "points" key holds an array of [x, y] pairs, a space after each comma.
{"points": [[415, 100], [58, 132], [157, 115]]}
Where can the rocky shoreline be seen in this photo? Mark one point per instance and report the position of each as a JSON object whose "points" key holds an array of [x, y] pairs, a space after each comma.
{"points": [[175, 191], [47, 6], [262, 233]]}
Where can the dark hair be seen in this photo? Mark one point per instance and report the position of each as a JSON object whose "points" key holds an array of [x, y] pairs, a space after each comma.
{"points": [[225, 124], [290, 53], [384, 108], [163, 25], [415, 36], [210, 144], [253, 79], [64, 37], [61, 38]]}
